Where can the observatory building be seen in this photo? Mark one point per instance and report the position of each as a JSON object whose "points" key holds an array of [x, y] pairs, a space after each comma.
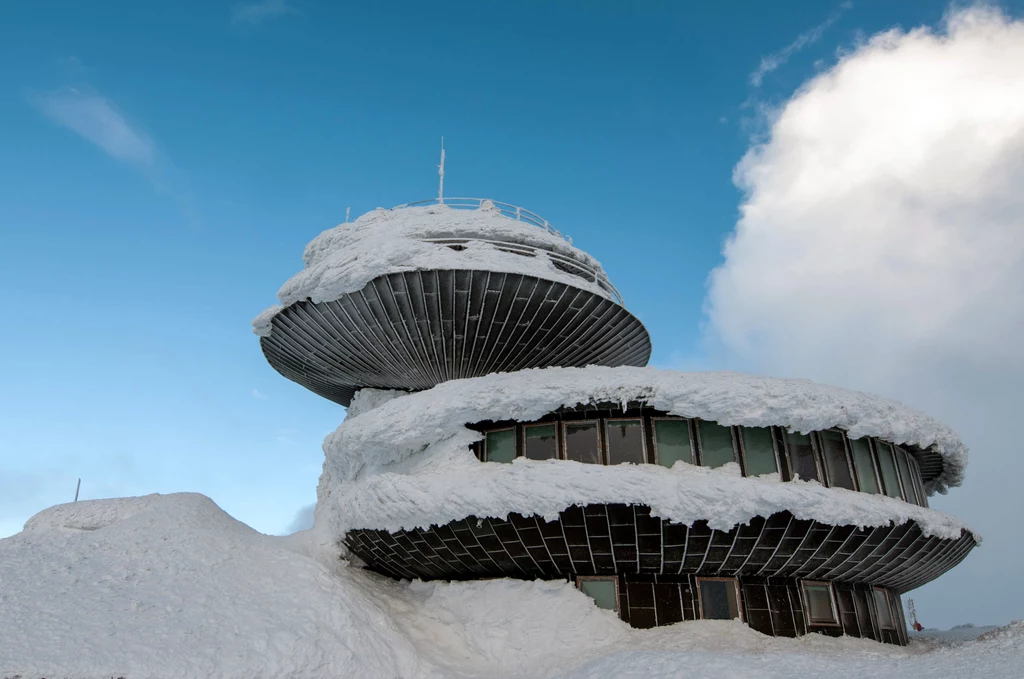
{"points": [[501, 423]]}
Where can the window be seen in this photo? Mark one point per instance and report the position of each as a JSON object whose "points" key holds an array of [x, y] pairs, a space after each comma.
{"points": [[582, 441], [719, 598], [672, 442], [758, 451], [500, 445], [625, 441], [716, 448], [922, 494], [801, 456], [820, 603], [885, 619], [887, 466], [909, 491], [833, 450], [864, 464], [540, 441], [604, 591]]}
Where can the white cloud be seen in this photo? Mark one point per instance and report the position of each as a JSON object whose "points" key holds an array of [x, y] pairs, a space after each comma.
{"points": [[253, 13], [98, 120], [880, 245], [773, 61], [256, 393]]}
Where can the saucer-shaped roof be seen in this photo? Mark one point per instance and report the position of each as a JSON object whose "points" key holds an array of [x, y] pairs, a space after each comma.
{"points": [[414, 296]]}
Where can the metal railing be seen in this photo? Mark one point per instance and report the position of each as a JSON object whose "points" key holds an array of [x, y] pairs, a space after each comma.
{"points": [[560, 261], [511, 211]]}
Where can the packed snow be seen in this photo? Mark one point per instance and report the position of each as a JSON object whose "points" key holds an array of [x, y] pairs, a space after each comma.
{"points": [[170, 586], [406, 462], [344, 259]]}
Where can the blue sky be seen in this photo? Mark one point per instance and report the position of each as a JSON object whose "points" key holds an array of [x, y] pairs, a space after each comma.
{"points": [[163, 164]]}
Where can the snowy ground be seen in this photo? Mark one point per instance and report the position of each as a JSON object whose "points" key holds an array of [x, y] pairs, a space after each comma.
{"points": [[171, 586]]}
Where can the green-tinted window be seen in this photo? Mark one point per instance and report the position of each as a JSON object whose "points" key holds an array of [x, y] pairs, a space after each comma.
{"points": [[801, 456], [833, 449], [718, 600], [501, 445], [885, 620], [540, 442], [887, 466], [715, 444], [625, 441], [602, 591], [908, 481], [672, 442], [758, 451], [865, 467], [582, 442], [820, 608]]}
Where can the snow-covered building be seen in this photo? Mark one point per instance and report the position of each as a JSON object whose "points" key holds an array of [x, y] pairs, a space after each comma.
{"points": [[501, 424]]}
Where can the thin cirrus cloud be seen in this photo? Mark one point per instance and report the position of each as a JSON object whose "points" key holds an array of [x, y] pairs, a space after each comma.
{"points": [[773, 61], [880, 246], [97, 119], [255, 13]]}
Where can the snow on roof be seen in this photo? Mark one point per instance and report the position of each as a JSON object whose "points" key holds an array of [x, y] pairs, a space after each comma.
{"points": [[406, 463], [344, 259]]}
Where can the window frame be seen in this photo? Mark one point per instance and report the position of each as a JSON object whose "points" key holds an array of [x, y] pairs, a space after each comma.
{"points": [[694, 461], [889, 608], [811, 621], [875, 442], [618, 594], [564, 449], [607, 449], [736, 586], [908, 485], [922, 495], [700, 444], [554, 424], [742, 447], [815, 453], [874, 466], [826, 472], [515, 442]]}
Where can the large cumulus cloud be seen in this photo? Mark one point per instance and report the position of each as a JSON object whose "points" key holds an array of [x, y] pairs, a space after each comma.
{"points": [[880, 245]]}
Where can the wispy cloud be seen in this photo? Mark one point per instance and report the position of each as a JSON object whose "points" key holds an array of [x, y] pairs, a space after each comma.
{"points": [[98, 120], [254, 13], [256, 393], [771, 62]]}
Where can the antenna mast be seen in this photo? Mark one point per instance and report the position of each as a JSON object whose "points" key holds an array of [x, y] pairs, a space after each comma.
{"points": [[440, 172]]}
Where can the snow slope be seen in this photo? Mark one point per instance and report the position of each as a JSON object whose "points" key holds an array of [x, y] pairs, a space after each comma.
{"points": [[405, 463], [344, 259], [171, 586]]}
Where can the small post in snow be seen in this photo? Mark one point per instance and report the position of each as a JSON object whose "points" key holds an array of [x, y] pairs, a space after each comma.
{"points": [[77, 488], [347, 211], [440, 172]]}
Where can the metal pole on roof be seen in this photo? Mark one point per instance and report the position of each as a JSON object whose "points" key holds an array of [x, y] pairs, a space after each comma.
{"points": [[440, 172], [77, 488]]}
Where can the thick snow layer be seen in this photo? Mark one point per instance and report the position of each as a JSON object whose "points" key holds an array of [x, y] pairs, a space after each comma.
{"points": [[344, 259], [171, 586], [406, 463]]}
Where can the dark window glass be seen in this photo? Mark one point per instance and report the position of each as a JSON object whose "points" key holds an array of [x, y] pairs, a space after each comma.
{"points": [[718, 599], [540, 442], [582, 442], [908, 481], [820, 606], [884, 612], [602, 591], [501, 445], [887, 466], [758, 452], [625, 441], [715, 444], [801, 456], [834, 451], [922, 494], [865, 467], [672, 442]]}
